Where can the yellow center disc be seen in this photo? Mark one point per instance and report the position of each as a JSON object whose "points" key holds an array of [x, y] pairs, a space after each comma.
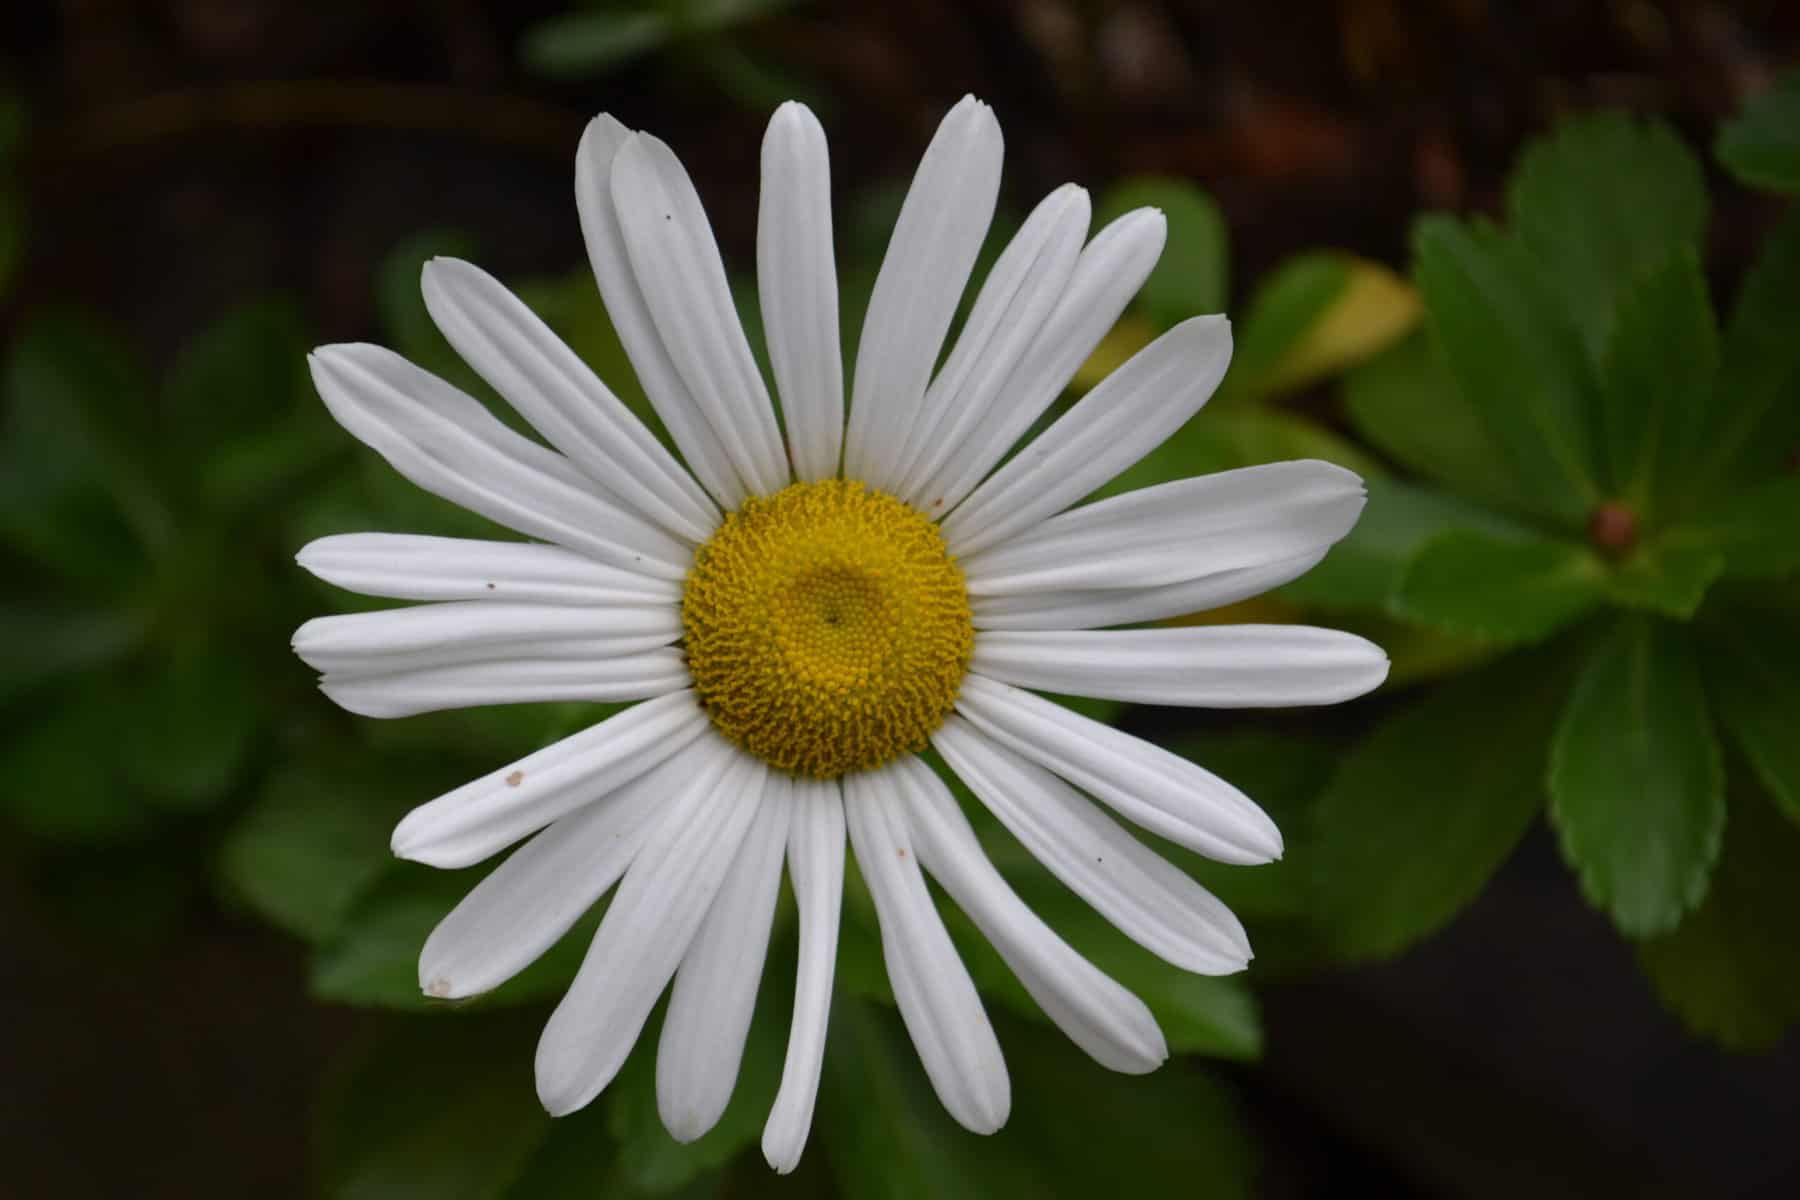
{"points": [[828, 629]]}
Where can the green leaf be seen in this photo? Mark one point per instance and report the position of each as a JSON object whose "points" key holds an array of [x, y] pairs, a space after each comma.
{"points": [[577, 44], [1732, 969], [313, 843], [888, 1138], [1657, 383], [1753, 675], [1503, 589], [1192, 274], [1405, 402], [62, 785], [1427, 807], [438, 1109], [374, 959], [1514, 361], [1667, 577], [193, 728], [1756, 431], [651, 1161], [1363, 570], [1753, 530], [1762, 145], [1600, 201], [1286, 304], [38, 646], [236, 376], [1636, 789]]}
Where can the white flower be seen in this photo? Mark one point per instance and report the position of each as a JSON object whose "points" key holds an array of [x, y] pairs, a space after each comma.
{"points": [[797, 632]]}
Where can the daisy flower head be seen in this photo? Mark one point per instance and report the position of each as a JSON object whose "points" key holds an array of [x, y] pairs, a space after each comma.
{"points": [[801, 607]]}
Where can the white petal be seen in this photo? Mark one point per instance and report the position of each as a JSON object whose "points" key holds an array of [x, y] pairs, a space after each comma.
{"points": [[683, 282], [933, 248], [429, 635], [1216, 666], [563, 399], [797, 283], [1107, 275], [1170, 532], [488, 814], [415, 567], [937, 999], [1160, 791], [1131, 413], [451, 446], [1149, 899], [648, 927], [1108, 1022], [663, 385], [529, 901], [409, 691], [1089, 608], [1018, 295], [714, 995], [816, 868]]}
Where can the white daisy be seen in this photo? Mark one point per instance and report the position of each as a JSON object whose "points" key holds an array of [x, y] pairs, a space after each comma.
{"points": [[801, 617]]}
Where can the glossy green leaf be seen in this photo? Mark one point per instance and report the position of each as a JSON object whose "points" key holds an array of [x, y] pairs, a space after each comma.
{"points": [[1670, 578], [1598, 202], [438, 1109], [193, 727], [1636, 789], [1192, 275], [1754, 530], [1406, 404], [1363, 570], [1515, 361], [1732, 969], [1752, 668], [1762, 145], [1657, 383], [1285, 305], [1427, 807], [1756, 431], [1502, 589], [313, 843]]}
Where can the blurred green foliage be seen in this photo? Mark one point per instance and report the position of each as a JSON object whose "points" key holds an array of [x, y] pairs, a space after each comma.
{"points": [[1579, 549]]}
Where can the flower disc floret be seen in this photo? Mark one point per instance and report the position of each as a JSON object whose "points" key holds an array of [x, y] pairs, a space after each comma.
{"points": [[828, 629]]}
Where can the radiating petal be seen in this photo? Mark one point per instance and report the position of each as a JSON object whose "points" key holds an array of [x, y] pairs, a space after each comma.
{"points": [[816, 869], [563, 399], [937, 999], [797, 283], [1170, 532], [663, 385], [1018, 295], [715, 988], [488, 814], [933, 248], [430, 635], [1160, 791], [409, 691], [1131, 413], [1107, 1021], [1107, 275], [526, 904], [1212, 666], [415, 567], [683, 282], [451, 446], [1149, 899], [1089, 608], [647, 928]]}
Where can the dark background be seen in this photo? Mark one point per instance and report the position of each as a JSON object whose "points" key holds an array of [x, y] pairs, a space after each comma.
{"points": [[184, 156]]}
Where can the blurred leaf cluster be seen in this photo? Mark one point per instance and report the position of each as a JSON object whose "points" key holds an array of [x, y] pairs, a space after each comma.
{"points": [[1580, 550]]}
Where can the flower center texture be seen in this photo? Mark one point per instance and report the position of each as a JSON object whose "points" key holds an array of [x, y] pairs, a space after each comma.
{"points": [[827, 627]]}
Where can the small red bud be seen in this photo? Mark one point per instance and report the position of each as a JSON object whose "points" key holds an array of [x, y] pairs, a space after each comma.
{"points": [[1613, 529]]}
